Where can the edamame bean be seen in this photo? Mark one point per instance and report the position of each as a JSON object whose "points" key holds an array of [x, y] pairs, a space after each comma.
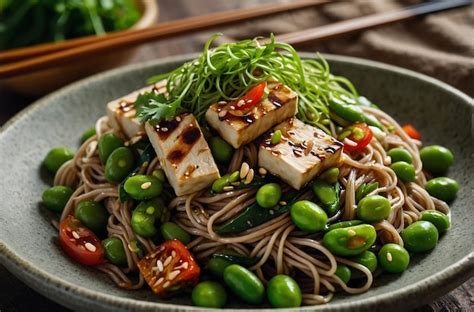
{"points": [[56, 197], [420, 236], [331, 175], [56, 157], [108, 143], [308, 216], [142, 187], [373, 208], [119, 164], [365, 189], [87, 134], [93, 215], [221, 150], [350, 241], [343, 272], [367, 259], [436, 159], [325, 192], [394, 258], [442, 188], [209, 294], [244, 284], [225, 180], [400, 154], [114, 251], [268, 195], [404, 171], [284, 292], [144, 218], [344, 224], [170, 230], [217, 266], [439, 219]]}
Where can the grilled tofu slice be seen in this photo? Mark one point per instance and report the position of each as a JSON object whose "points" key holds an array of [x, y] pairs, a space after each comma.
{"points": [[240, 127], [183, 153], [302, 153], [121, 112]]}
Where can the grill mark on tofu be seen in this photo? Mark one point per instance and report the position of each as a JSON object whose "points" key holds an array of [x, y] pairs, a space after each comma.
{"points": [[184, 144]]}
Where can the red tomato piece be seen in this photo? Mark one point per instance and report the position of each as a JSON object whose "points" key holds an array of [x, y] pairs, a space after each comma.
{"points": [[80, 243], [252, 97], [356, 137], [169, 268], [412, 132]]}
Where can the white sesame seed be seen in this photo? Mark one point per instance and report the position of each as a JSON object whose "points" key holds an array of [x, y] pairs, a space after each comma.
{"points": [[250, 176], [178, 119], [166, 284], [173, 253], [351, 232], [145, 185], [164, 129], [173, 274], [227, 188], [167, 261], [222, 102], [389, 257], [90, 247], [159, 281], [262, 171], [184, 265], [222, 113], [240, 103], [75, 235], [232, 107], [244, 170], [283, 203], [159, 264]]}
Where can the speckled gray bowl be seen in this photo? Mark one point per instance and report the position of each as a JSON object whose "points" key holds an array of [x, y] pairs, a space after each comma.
{"points": [[27, 241]]}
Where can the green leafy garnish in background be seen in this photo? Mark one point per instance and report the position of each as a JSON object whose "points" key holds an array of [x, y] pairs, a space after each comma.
{"points": [[229, 70]]}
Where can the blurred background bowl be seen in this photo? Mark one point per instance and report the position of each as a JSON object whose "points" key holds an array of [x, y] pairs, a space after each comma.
{"points": [[44, 81]]}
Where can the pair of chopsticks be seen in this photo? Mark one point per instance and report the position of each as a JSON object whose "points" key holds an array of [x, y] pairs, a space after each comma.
{"points": [[25, 60]]}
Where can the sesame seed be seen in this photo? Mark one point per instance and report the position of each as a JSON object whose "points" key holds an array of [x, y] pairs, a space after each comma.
{"points": [[228, 188], [159, 281], [232, 107], [145, 185], [389, 257], [178, 119], [222, 113], [184, 265], [90, 247], [222, 102], [75, 235], [351, 232], [240, 103], [167, 261], [262, 171], [173, 253], [309, 147], [164, 129], [244, 170], [172, 275], [159, 264], [250, 176], [166, 284], [283, 203]]}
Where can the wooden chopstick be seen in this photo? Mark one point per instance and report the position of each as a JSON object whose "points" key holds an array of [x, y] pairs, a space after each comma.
{"points": [[159, 31], [365, 22]]}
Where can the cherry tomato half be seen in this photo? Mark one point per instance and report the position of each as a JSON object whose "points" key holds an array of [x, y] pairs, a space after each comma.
{"points": [[412, 132], [358, 136], [253, 96], [80, 243], [169, 268]]}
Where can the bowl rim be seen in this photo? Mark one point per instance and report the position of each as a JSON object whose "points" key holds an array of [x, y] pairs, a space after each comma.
{"points": [[25, 270]]}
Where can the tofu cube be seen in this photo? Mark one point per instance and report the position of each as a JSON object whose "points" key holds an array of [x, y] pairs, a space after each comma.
{"points": [[302, 153], [240, 127], [121, 112], [183, 153]]}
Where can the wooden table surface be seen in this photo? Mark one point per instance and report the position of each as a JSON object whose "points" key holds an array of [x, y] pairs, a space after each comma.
{"points": [[16, 296]]}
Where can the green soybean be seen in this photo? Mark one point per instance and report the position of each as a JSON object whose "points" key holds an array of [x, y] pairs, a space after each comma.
{"points": [[268, 195], [56, 157], [221, 150], [225, 180], [436, 159], [404, 171], [365, 189], [400, 154], [114, 251], [217, 266], [142, 187], [244, 284], [93, 215], [108, 143], [393, 258], [145, 217], [56, 197], [209, 294], [437, 218], [87, 134], [442, 188], [325, 192], [284, 292], [367, 259], [350, 241], [308, 216], [170, 230], [119, 164], [276, 137], [344, 224], [373, 208], [330, 175], [343, 272], [420, 236]]}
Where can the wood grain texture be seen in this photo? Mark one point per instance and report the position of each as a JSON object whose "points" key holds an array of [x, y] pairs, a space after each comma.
{"points": [[16, 296]]}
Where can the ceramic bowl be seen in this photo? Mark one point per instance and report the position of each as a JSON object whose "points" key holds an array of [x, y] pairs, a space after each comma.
{"points": [[28, 246], [46, 80]]}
